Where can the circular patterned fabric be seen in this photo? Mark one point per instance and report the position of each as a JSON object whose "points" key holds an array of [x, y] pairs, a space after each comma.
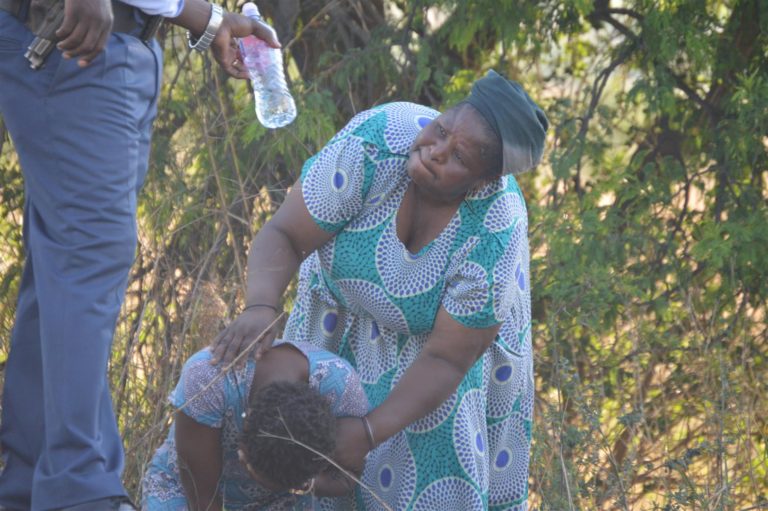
{"points": [[375, 351], [490, 189], [384, 196], [469, 438], [497, 219], [435, 418], [369, 299], [405, 274], [510, 376], [409, 120], [449, 494], [468, 291], [391, 477], [333, 188], [367, 296], [508, 482]]}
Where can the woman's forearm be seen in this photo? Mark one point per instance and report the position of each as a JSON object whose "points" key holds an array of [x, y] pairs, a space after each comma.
{"points": [[198, 448], [279, 248], [273, 259], [448, 354], [424, 386], [427, 383], [198, 499], [272, 263]]}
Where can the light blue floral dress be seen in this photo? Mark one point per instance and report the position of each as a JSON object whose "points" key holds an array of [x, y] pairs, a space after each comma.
{"points": [[220, 403], [364, 296]]}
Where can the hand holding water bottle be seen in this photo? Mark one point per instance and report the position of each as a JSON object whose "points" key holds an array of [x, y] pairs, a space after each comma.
{"points": [[233, 27], [275, 107]]}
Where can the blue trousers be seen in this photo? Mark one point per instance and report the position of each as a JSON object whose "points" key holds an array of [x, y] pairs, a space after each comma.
{"points": [[82, 137]]}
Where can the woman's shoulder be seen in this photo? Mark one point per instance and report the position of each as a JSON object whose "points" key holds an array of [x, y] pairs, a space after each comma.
{"points": [[404, 121], [203, 354], [336, 379], [202, 390], [199, 362], [498, 206], [198, 371], [315, 354], [390, 126], [324, 364], [396, 112], [406, 111]]}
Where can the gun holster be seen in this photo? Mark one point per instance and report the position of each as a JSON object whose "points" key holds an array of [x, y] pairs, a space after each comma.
{"points": [[44, 17]]}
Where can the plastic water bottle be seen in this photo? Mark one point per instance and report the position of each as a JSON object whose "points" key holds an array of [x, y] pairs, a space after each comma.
{"points": [[275, 107]]}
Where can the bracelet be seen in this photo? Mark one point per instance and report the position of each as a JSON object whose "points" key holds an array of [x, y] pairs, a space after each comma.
{"points": [[368, 432], [307, 488], [214, 23], [254, 305]]}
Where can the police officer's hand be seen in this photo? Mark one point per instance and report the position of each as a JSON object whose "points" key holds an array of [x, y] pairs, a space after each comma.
{"points": [[225, 48], [85, 29]]}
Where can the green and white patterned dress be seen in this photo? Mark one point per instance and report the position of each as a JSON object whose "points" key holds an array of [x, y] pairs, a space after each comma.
{"points": [[364, 296]]}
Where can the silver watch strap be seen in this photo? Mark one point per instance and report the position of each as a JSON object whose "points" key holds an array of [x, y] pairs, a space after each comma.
{"points": [[214, 22]]}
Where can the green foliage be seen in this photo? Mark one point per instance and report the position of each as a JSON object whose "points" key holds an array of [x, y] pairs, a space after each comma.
{"points": [[11, 204], [648, 223]]}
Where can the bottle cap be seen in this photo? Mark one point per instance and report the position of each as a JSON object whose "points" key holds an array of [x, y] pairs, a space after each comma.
{"points": [[250, 9]]}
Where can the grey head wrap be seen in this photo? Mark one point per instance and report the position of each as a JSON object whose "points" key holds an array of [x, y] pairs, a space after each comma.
{"points": [[519, 122]]}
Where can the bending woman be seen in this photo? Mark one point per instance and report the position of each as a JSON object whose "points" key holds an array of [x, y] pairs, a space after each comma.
{"points": [[410, 236], [257, 437]]}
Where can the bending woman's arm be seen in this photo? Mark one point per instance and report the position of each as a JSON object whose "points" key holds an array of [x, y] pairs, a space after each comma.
{"points": [[273, 259], [199, 450]]}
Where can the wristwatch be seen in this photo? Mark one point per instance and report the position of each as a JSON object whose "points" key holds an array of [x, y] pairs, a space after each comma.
{"points": [[214, 22]]}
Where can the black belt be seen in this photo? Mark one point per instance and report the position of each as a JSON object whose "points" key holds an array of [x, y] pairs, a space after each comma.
{"points": [[12, 6], [126, 19]]}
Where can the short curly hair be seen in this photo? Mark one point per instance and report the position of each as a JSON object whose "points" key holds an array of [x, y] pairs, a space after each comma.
{"points": [[288, 410]]}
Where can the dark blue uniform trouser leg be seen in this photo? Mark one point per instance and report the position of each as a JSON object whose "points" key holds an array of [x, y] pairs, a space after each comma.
{"points": [[82, 136]]}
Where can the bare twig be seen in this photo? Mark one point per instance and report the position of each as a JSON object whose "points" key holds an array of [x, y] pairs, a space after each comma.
{"points": [[221, 374], [291, 438]]}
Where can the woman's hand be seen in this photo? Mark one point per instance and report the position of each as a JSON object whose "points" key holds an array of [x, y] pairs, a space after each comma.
{"points": [[351, 444], [253, 329], [273, 259], [332, 482]]}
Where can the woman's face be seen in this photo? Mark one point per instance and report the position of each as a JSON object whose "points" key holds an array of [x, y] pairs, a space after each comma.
{"points": [[448, 157]]}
